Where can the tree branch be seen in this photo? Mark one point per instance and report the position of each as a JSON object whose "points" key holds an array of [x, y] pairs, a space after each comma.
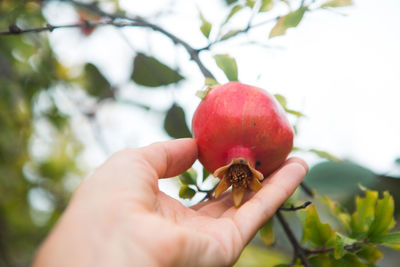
{"points": [[141, 22], [298, 250], [293, 208], [15, 30]]}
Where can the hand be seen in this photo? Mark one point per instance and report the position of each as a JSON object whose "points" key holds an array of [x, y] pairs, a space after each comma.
{"points": [[118, 216]]}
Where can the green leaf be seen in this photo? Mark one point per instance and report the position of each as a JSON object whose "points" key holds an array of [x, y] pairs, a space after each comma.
{"points": [[266, 5], [340, 242], [294, 112], [295, 130], [189, 177], [210, 82], [383, 221], [297, 264], [267, 233], [250, 3], [230, 34], [57, 119], [96, 84], [234, 10], [339, 179], [327, 260], [318, 233], [228, 2], [206, 174], [324, 154], [288, 21], [228, 65], [322, 260], [203, 93], [260, 256], [387, 239], [370, 254], [337, 3], [348, 260], [205, 26], [343, 217], [148, 71], [186, 192], [363, 217], [175, 122], [281, 99]]}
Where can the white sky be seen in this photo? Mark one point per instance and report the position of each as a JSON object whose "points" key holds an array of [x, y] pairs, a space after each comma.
{"points": [[343, 72]]}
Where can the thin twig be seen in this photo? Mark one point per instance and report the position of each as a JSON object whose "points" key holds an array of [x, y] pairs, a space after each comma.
{"points": [[209, 193], [306, 189], [293, 208], [245, 30], [350, 248], [298, 250], [15, 30], [194, 53]]}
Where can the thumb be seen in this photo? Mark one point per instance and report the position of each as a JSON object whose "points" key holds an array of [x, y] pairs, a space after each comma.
{"points": [[170, 158]]}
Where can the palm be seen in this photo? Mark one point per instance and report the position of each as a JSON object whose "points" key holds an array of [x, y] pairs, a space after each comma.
{"points": [[212, 233], [221, 228]]}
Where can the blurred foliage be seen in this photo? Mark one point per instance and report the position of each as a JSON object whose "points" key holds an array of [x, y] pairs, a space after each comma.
{"points": [[27, 67], [290, 20], [257, 256], [39, 152], [149, 71], [267, 233], [175, 122], [228, 65]]}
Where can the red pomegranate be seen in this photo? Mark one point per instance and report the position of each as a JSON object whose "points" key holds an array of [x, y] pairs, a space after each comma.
{"points": [[243, 135]]}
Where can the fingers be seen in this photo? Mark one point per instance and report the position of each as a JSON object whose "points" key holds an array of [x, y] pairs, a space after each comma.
{"points": [[170, 158], [276, 189]]}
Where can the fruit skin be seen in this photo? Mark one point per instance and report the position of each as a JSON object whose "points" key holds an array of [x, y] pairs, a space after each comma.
{"points": [[236, 120]]}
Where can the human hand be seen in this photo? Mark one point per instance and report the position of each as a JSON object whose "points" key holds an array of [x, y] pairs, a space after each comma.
{"points": [[118, 216]]}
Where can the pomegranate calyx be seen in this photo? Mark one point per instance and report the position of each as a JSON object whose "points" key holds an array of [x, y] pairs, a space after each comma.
{"points": [[241, 175]]}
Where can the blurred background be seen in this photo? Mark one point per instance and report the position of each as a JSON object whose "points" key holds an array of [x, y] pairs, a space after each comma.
{"points": [[72, 97]]}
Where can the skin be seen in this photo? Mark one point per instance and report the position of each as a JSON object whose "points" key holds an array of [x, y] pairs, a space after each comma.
{"points": [[118, 216]]}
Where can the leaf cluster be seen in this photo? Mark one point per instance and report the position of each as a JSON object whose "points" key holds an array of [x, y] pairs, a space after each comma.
{"points": [[358, 238]]}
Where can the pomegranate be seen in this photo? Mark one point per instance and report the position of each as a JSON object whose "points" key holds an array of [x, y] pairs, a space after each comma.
{"points": [[243, 135]]}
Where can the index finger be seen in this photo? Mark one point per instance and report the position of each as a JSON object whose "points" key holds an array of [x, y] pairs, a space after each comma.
{"points": [[280, 185]]}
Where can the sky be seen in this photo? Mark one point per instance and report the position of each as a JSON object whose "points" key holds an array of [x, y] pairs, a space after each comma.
{"points": [[341, 68]]}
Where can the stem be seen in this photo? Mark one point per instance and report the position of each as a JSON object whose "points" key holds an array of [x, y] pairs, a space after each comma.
{"points": [[306, 189], [208, 192], [293, 208], [351, 248], [298, 250], [245, 30]]}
